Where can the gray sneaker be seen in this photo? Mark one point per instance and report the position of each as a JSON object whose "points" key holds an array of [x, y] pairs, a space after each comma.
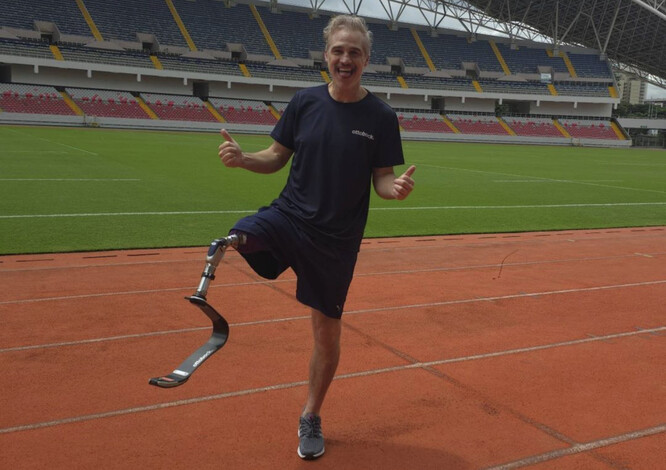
{"points": [[311, 439]]}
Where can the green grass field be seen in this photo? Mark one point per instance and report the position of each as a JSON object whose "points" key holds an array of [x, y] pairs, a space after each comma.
{"points": [[79, 189]]}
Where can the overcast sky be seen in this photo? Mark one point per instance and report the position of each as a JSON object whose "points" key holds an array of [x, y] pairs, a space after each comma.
{"points": [[655, 92]]}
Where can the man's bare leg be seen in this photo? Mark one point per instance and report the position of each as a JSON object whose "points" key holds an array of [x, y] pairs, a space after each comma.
{"points": [[323, 363], [324, 360]]}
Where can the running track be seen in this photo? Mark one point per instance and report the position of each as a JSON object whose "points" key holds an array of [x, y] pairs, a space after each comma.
{"points": [[534, 350]]}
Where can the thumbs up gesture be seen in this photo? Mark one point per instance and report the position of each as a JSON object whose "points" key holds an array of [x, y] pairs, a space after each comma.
{"points": [[404, 184], [230, 152]]}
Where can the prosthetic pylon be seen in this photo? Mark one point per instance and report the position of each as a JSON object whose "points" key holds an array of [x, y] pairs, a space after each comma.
{"points": [[220, 326]]}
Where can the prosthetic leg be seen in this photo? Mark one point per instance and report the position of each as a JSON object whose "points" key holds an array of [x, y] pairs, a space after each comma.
{"points": [[220, 326]]}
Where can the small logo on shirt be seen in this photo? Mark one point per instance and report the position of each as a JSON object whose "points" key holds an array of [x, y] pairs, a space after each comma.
{"points": [[363, 134]]}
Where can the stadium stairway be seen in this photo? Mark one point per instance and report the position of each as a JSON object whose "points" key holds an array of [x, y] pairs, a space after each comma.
{"points": [[244, 70], [423, 50], [561, 128], [500, 59], [264, 30], [621, 135], [91, 23], [570, 67], [181, 25], [213, 111], [151, 114], [274, 112], [55, 50], [156, 62], [451, 125], [70, 102], [506, 126]]}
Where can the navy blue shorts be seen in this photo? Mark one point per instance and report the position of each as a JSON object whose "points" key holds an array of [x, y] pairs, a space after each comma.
{"points": [[275, 243]]}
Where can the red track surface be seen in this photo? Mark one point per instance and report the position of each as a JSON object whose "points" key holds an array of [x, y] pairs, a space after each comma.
{"points": [[539, 350]]}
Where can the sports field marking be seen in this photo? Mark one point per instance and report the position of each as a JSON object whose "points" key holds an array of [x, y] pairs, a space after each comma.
{"points": [[629, 164], [133, 292], [553, 181], [531, 206], [581, 447], [56, 152], [358, 274], [278, 281], [366, 373], [507, 297], [307, 317], [32, 137], [506, 265], [122, 214], [397, 208], [541, 178], [69, 179]]}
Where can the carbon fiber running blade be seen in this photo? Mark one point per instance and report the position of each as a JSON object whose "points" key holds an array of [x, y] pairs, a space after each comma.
{"points": [[217, 339]]}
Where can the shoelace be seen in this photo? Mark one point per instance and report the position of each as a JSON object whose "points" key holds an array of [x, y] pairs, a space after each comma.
{"points": [[310, 427]]}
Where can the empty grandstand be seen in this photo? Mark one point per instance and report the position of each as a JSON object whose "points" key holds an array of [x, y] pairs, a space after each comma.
{"points": [[198, 64]]}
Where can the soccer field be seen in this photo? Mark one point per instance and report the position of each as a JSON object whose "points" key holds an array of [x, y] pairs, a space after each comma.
{"points": [[76, 189]]}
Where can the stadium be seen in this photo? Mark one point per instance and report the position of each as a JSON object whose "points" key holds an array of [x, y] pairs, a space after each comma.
{"points": [[177, 66], [508, 314]]}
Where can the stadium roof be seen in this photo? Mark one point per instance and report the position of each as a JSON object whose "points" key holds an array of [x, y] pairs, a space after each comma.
{"points": [[631, 33]]}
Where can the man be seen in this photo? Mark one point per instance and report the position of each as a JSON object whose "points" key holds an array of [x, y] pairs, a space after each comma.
{"points": [[341, 138]]}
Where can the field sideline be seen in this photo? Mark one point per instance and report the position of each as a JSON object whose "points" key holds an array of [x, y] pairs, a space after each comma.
{"points": [[75, 189]]}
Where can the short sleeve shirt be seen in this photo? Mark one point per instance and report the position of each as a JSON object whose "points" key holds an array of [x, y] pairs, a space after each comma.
{"points": [[336, 146]]}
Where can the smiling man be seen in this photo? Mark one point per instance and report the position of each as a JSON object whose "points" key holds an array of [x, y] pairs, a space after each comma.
{"points": [[342, 138]]}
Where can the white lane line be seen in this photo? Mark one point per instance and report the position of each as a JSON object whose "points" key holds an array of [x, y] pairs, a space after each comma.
{"points": [[201, 259], [249, 283], [542, 178], [582, 447], [141, 409], [32, 137], [510, 296], [447, 302], [70, 179], [396, 208], [366, 373], [526, 206], [555, 181], [124, 214], [131, 292], [55, 152], [347, 313]]}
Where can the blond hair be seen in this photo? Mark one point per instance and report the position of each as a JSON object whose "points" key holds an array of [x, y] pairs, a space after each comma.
{"points": [[351, 23]]}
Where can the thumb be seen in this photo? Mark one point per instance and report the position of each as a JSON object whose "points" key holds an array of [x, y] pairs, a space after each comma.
{"points": [[410, 171], [226, 135]]}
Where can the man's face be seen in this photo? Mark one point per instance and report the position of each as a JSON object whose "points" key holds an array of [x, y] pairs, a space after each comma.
{"points": [[346, 57]]}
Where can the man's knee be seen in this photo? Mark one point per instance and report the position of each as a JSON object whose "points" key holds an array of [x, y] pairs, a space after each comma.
{"points": [[326, 330]]}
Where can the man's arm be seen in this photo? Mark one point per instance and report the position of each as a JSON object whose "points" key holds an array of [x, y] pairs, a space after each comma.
{"points": [[387, 186], [268, 160]]}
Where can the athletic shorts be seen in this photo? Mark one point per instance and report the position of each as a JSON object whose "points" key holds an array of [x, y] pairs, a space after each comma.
{"points": [[275, 243]]}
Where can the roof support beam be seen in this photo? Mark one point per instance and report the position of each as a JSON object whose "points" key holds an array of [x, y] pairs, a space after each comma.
{"points": [[659, 12], [612, 25], [354, 8]]}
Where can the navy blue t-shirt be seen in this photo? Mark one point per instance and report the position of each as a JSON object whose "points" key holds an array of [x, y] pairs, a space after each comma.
{"points": [[336, 146]]}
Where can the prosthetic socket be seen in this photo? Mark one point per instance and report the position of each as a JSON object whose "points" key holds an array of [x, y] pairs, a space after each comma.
{"points": [[213, 258]]}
